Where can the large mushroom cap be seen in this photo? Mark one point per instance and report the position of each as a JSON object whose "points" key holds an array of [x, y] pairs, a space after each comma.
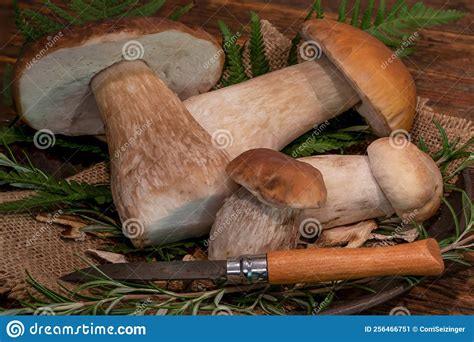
{"points": [[408, 177], [52, 77], [278, 180], [384, 84]]}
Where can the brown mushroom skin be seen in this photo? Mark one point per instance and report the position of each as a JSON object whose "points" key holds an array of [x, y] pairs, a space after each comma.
{"points": [[150, 179], [278, 180], [275, 190]]}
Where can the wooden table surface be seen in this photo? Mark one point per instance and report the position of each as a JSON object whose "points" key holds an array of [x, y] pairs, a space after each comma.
{"points": [[442, 67]]}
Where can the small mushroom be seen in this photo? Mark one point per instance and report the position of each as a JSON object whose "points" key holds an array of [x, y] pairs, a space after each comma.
{"points": [[275, 189], [272, 110], [125, 76], [391, 179]]}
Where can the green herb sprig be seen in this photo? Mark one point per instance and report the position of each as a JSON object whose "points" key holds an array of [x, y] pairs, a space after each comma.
{"points": [[394, 28], [50, 192], [34, 25]]}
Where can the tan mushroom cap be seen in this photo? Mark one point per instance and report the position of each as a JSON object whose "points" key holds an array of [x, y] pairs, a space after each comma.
{"points": [[409, 178], [384, 84], [52, 77], [278, 180]]}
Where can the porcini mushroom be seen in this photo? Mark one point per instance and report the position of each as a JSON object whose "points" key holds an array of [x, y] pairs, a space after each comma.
{"points": [[391, 179], [268, 111], [275, 189], [272, 110], [166, 175]]}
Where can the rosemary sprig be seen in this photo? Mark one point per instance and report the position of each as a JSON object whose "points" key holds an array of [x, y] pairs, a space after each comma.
{"points": [[17, 134], [450, 151], [50, 192], [104, 296]]}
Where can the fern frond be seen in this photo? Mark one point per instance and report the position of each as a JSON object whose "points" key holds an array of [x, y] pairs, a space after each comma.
{"points": [[397, 6], [34, 25], [180, 11], [318, 9], [86, 11], [367, 16], [403, 21], [28, 32], [342, 11], [233, 52], [44, 23], [59, 12], [293, 53], [355, 13], [121, 8], [323, 142], [148, 9], [258, 59], [380, 13]]}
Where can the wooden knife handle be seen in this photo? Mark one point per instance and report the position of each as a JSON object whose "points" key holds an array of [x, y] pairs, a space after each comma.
{"points": [[326, 264]]}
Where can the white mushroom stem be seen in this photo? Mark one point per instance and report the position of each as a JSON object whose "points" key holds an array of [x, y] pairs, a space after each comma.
{"points": [[167, 178], [274, 109], [353, 194], [239, 225]]}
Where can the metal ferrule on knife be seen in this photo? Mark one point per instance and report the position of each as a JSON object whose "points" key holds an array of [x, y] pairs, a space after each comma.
{"points": [[247, 269]]}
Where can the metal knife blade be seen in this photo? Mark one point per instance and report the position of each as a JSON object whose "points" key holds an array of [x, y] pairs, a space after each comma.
{"points": [[149, 271]]}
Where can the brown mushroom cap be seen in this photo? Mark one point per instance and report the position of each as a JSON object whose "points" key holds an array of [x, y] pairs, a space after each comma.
{"points": [[388, 94], [53, 75], [278, 180], [408, 177]]}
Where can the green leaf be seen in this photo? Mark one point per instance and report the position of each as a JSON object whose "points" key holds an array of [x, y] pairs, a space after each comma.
{"points": [[50, 191], [59, 12], [293, 54], [233, 51], [258, 59], [179, 12], [34, 25], [402, 22], [318, 9], [355, 13], [380, 13], [342, 11], [327, 141], [148, 9], [367, 17]]}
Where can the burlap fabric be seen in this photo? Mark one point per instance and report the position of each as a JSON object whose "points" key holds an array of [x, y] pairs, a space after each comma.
{"points": [[50, 256]]}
